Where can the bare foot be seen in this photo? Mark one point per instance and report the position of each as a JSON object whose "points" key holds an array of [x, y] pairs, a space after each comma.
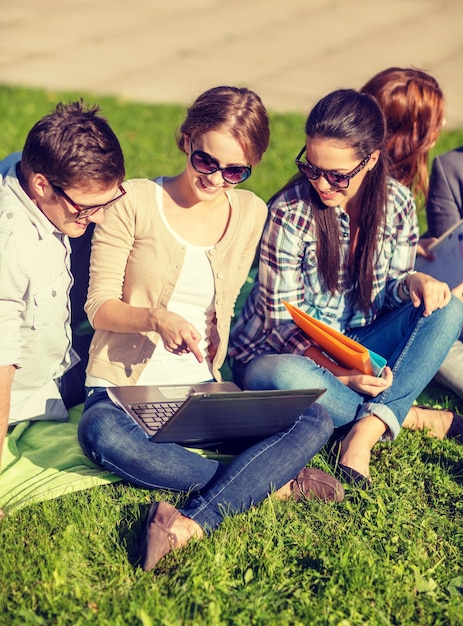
{"points": [[436, 421], [357, 445], [184, 528], [285, 492], [360, 462]]}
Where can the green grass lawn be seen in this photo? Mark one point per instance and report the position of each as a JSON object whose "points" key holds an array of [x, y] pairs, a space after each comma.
{"points": [[389, 556]]}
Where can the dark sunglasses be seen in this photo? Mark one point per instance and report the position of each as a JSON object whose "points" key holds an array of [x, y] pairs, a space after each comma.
{"points": [[206, 164], [87, 211], [340, 181]]}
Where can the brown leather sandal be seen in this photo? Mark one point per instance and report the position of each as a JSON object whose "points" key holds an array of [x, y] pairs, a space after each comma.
{"points": [[157, 538], [313, 483]]}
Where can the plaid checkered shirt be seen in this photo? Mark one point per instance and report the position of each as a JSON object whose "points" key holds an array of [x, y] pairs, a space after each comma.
{"points": [[288, 271]]}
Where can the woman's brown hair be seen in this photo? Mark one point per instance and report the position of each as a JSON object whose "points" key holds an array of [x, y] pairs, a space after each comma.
{"points": [[413, 104], [239, 110]]}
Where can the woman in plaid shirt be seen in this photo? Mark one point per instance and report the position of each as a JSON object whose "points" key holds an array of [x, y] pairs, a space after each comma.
{"points": [[340, 243]]}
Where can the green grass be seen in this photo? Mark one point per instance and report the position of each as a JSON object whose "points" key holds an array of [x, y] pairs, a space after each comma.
{"points": [[393, 555], [147, 134], [390, 556]]}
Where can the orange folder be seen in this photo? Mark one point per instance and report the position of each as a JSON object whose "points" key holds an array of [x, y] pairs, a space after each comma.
{"points": [[342, 349]]}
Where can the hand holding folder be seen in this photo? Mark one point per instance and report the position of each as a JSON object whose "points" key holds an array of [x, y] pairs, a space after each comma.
{"points": [[342, 349]]}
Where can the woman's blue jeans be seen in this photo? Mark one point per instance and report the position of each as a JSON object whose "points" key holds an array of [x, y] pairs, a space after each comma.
{"points": [[414, 346], [113, 440]]}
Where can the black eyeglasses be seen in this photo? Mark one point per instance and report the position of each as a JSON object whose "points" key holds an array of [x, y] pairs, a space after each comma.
{"points": [[339, 181], [206, 164], [87, 211]]}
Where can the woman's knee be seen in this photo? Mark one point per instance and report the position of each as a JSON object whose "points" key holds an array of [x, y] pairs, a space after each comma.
{"points": [[450, 319], [320, 417], [456, 312], [277, 371], [94, 425], [84, 431]]}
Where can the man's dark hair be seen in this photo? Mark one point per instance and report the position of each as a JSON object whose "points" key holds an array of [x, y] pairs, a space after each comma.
{"points": [[73, 144]]}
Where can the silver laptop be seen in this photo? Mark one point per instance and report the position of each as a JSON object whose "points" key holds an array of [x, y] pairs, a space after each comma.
{"points": [[207, 413]]}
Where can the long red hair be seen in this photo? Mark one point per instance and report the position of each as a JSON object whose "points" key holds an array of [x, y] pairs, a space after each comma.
{"points": [[413, 105]]}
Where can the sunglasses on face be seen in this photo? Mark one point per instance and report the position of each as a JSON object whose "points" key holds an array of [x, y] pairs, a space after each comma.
{"points": [[339, 181], [206, 164], [87, 211]]}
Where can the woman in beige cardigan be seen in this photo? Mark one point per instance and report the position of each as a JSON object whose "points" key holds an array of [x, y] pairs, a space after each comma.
{"points": [[166, 269]]}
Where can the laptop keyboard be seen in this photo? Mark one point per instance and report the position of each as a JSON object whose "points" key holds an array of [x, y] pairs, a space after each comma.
{"points": [[154, 415]]}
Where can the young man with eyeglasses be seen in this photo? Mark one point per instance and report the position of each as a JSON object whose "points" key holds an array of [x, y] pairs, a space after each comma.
{"points": [[71, 169]]}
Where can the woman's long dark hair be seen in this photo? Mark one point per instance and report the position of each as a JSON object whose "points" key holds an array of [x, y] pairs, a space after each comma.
{"points": [[355, 121]]}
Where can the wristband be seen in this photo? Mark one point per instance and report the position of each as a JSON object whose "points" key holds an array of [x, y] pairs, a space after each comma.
{"points": [[405, 289]]}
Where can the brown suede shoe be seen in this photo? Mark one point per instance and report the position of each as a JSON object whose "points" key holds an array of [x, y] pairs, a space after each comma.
{"points": [[313, 483], [158, 540]]}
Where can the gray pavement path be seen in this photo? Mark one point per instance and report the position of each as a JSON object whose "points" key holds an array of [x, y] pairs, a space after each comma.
{"points": [[291, 52]]}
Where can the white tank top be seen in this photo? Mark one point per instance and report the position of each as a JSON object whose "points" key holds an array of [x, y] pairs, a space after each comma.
{"points": [[193, 299]]}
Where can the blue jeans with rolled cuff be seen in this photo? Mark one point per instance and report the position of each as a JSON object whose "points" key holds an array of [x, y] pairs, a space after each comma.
{"points": [[414, 346]]}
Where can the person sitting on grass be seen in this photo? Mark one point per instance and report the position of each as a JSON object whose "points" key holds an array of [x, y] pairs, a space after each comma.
{"points": [[414, 107], [413, 104], [444, 209], [70, 170], [165, 271], [340, 244]]}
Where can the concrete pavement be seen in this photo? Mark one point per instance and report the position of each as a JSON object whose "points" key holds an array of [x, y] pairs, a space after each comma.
{"points": [[291, 52]]}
